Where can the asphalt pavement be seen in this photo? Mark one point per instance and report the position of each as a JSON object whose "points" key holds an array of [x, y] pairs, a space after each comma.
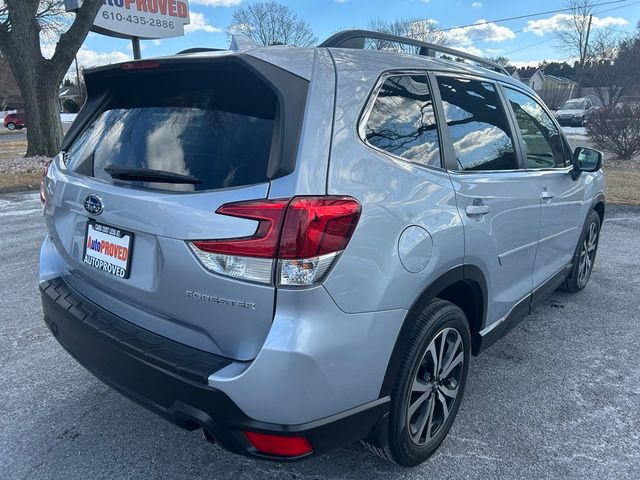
{"points": [[559, 397]]}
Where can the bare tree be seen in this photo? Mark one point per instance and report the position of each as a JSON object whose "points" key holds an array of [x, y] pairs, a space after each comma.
{"points": [[23, 25], [613, 66], [271, 23], [415, 28], [573, 34]]}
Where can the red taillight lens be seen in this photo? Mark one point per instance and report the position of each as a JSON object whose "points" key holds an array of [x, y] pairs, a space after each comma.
{"points": [[263, 243], [313, 226], [305, 234], [279, 446], [316, 226]]}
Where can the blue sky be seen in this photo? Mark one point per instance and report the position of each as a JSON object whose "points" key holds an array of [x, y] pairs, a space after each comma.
{"points": [[524, 41]]}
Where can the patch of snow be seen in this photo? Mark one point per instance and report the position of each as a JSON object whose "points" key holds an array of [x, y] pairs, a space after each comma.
{"points": [[68, 117], [582, 131]]}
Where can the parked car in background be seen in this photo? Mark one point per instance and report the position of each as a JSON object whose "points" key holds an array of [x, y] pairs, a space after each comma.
{"points": [[14, 121], [576, 112]]}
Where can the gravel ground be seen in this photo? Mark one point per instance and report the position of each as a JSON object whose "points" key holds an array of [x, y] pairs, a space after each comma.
{"points": [[23, 164], [559, 397]]}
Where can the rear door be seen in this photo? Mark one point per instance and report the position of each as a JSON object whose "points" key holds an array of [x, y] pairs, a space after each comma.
{"points": [[165, 147], [548, 159], [497, 200]]}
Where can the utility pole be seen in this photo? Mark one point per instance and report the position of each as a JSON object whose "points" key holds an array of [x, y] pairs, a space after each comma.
{"points": [[583, 56], [135, 44]]}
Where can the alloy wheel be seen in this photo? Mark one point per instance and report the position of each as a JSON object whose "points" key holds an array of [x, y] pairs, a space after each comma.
{"points": [[435, 386], [587, 254]]}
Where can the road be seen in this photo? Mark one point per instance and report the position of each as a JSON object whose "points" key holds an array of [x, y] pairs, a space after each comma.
{"points": [[559, 397], [17, 135]]}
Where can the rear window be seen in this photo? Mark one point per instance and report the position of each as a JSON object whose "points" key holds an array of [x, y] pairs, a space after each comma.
{"points": [[213, 125]]}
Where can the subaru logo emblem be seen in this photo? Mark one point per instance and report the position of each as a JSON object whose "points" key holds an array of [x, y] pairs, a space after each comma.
{"points": [[93, 204]]}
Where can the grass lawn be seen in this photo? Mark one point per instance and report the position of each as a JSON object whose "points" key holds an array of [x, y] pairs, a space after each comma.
{"points": [[623, 184]]}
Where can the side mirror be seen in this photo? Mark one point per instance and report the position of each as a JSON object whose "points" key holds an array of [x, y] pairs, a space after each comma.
{"points": [[585, 160]]}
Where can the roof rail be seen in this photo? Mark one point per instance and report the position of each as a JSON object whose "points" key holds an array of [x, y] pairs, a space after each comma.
{"points": [[356, 39]]}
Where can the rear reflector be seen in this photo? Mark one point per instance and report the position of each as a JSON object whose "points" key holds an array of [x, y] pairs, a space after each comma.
{"points": [[279, 446], [305, 235]]}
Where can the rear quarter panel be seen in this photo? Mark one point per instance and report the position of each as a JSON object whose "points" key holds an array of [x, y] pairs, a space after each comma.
{"points": [[394, 194]]}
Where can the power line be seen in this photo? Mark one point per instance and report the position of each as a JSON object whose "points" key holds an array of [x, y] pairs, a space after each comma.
{"points": [[529, 15]]}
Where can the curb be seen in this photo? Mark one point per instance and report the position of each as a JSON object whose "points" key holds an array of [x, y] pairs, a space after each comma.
{"points": [[20, 188]]}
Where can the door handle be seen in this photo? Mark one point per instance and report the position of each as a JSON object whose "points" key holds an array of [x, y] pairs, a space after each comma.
{"points": [[477, 208], [546, 194]]}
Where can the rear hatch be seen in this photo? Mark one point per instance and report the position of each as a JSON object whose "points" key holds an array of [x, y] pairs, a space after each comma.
{"points": [[157, 149]]}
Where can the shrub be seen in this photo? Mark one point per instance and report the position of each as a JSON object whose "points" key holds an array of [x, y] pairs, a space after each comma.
{"points": [[70, 106], [616, 129]]}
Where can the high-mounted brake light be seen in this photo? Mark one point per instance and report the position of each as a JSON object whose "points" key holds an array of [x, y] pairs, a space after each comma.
{"points": [[304, 235], [142, 65]]}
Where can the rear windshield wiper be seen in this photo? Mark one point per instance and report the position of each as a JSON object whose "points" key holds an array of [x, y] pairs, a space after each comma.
{"points": [[148, 175]]}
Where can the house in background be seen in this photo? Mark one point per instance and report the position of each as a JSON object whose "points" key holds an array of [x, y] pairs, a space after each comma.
{"points": [[69, 93], [552, 89], [513, 71]]}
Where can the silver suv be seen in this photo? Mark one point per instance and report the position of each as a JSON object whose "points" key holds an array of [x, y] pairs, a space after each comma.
{"points": [[292, 249]]}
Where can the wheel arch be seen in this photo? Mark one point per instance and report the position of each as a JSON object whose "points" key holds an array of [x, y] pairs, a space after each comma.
{"points": [[464, 286]]}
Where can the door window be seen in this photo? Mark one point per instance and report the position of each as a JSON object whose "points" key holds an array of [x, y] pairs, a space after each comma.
{"points": [[477, 125], [542, 140], [402, 120]]}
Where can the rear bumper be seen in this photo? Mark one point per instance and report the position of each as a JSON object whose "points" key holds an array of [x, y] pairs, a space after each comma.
{"points": [[171, 379]]}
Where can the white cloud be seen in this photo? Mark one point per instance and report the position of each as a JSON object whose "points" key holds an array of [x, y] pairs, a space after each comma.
{"points": [[91, 58], [156, 42], [199, 22], [490, 32], [476, 4], [560, 21], [217, 3]]}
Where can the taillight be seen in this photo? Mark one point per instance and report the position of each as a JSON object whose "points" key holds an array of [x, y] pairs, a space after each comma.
{"points": [[278, 445], [302, 237]]}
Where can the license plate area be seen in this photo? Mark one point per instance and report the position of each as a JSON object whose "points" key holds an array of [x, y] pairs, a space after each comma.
{"points": [[108, 249]]}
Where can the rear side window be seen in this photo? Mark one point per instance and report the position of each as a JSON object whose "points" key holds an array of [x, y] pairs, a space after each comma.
{"points": [[477, 125], [402, 120], [542, 141], [215, 126]]}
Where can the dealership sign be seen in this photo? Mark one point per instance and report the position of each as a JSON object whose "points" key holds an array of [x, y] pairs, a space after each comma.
{"points": [[139, 18]]}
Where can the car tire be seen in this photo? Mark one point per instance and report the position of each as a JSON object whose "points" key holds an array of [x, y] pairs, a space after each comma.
{"points": [[19, 127], [429, 386], [585, 255], [11, 126]]}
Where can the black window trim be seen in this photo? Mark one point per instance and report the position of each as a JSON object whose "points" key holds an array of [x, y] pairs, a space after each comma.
{"points": [[447, 146], [363, 118], [521, 143]]}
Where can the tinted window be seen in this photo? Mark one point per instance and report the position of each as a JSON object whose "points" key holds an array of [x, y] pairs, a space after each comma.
{"points": [[215, 126], [542, 140], [477, 125], [402, 120]]}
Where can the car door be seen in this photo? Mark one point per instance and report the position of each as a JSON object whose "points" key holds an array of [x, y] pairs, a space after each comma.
{"points": [[548, 160], [497, 200]]}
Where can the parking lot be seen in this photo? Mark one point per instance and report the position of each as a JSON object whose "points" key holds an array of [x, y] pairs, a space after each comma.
{"points": [[559, 397]]}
